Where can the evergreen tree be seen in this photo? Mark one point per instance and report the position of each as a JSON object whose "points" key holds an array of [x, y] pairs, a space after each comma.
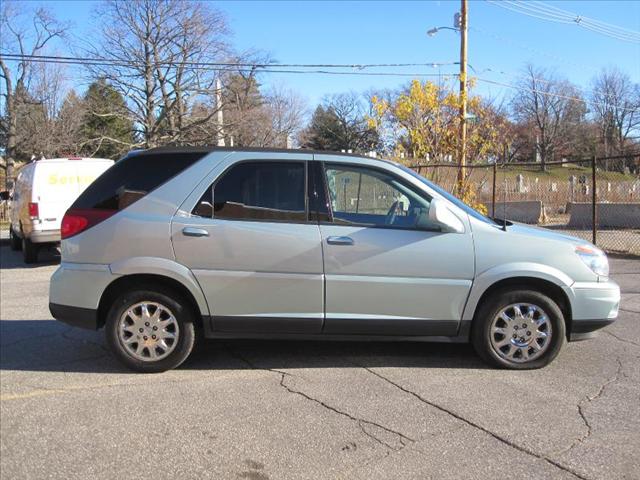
{"points": [[69, 128], [107, 125]]}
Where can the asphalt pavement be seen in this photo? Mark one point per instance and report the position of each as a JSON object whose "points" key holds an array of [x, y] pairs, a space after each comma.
{"points": [[318, 410]]}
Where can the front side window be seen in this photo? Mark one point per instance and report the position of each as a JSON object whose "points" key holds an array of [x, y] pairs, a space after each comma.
{"points": [[372, 197], [261, 191]]}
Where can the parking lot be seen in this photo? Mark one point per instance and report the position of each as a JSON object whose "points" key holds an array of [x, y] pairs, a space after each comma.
{"points": [[273, 410]]}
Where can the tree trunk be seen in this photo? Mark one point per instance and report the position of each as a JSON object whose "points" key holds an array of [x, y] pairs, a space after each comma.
{"points": [[12, 135]]}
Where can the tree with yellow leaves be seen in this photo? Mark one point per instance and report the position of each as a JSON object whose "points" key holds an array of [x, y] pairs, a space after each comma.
{"points": [[424, 118]]}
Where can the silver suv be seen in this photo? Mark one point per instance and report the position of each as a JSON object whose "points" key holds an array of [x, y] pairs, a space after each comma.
{"points": [[169, 244]]}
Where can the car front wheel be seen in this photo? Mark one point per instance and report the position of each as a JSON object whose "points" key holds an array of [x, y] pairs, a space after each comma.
{"points": [[150, 331], [518, 329]]}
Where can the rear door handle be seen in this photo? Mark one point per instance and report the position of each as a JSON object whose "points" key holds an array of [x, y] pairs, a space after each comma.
{"points": [[340, 240], [194, 232]]}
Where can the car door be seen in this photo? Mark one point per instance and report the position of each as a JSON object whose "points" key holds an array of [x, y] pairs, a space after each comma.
{"points": [[252, 248], [389, 271]]}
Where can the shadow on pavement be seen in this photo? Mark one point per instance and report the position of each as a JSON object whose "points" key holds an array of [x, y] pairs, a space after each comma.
{"points": [[46, 256], [50, 346]]}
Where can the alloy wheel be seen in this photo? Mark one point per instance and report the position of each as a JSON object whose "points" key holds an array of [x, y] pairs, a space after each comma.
{"points": [[521, 332], [148, 331]]}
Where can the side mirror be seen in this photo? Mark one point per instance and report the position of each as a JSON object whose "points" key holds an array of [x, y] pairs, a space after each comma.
{"points": [[440, 214], [4, 195]]}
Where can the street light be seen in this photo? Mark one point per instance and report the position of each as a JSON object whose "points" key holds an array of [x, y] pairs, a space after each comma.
{"points": [[435, 30]]}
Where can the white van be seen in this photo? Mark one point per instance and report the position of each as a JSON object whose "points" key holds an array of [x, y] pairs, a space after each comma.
{"points": [[43, 192]]}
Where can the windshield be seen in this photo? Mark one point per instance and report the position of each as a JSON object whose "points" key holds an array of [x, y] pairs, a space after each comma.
{"points": [[455, 200]]}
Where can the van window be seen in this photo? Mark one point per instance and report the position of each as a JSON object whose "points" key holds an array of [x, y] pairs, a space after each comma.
{"points": [[261, 191], [133, 177], [371, 197]]}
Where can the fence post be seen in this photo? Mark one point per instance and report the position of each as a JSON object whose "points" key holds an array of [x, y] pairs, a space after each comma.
{"points": [[594, 215], [493, 190]]}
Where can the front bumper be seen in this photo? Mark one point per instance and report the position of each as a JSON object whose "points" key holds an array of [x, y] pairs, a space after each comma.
{"points": [[594, 305]]}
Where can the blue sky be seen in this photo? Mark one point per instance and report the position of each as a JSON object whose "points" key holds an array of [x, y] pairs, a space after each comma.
{"points": [[395, 32]]}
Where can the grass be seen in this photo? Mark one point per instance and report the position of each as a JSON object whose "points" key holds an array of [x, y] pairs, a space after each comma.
{"points": [[447, 175], [563, 173]]}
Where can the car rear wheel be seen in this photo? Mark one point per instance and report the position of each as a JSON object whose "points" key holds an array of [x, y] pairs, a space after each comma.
{"points": [[14, 241], [150, 330], [29, 251], [518, 329]]}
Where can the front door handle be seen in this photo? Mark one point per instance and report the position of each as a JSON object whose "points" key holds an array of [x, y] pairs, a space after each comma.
{"points": [[340, 241], [194, 232]]}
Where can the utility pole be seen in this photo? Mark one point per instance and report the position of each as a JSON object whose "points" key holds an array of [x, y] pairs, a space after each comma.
{"points": [[220, 114], [463, 95]]}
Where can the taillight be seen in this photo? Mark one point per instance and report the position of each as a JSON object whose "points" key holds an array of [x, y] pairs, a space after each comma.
{"points": [[34, 211], [78, 220]]}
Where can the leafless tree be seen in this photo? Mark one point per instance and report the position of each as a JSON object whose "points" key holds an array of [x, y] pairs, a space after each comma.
{"points": [[548, 105], [616, 107], [153, 52], [24, 32], [286, 112]]}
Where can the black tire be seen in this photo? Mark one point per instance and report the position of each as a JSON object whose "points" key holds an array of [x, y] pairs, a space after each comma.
{"points": [[14, 241], [182, 313], [489, 310], [29, 251]]}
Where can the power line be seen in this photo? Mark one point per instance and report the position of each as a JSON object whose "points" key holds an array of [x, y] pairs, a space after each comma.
{"points": [[556, 95], [228, 67], [554, 14], [535, 51], [120, 62], [540, 10]]}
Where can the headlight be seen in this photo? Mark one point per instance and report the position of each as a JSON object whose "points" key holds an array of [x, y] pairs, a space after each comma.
{"points": [[594, 258]]}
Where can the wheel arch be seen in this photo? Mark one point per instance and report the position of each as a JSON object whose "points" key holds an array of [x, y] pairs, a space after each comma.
{"points": [[136, 280], [550, 289], [544, 279]]}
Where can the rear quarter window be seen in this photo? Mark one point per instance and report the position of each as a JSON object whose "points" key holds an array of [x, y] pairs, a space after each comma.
{"points": [[133, 177]]}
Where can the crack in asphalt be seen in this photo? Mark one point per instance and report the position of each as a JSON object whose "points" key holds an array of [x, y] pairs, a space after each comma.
{"points": [[624, 340], [253, 366], [477, 426], [627, 310], [361, 422], [403, 439], [588, 399]]}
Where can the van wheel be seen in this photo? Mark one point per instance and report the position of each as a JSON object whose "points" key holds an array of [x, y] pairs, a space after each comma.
{"points": [[150, 330], [518, 329], [29, 251], [14, 241]]}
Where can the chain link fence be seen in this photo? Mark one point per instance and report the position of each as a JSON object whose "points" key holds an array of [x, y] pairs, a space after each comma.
{"points": [[596, 199]]}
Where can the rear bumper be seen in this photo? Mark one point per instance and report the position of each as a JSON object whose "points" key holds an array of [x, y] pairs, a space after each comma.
{"points": [[75, 291], [75, 316], [44, 236]]}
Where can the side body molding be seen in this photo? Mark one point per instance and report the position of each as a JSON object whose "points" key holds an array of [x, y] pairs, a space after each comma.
{"points": [[489, 277], [165, 268]]}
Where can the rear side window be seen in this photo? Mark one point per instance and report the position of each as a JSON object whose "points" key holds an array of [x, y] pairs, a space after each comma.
{"points": [[132, 178], [261, 191]]}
